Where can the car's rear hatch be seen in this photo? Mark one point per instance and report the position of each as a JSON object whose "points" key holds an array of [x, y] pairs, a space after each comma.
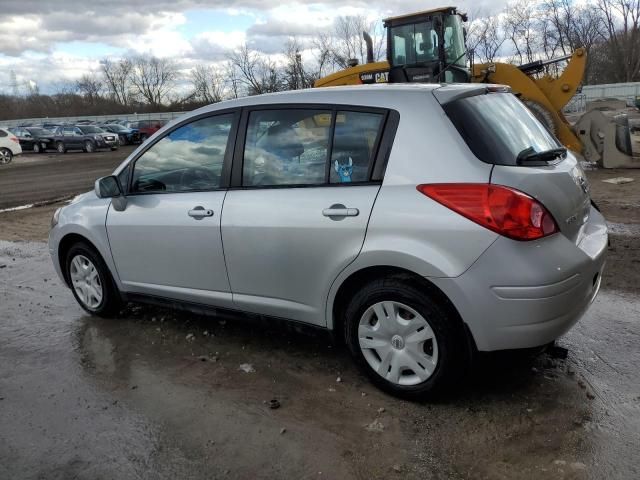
{"points": [[500, 130]]}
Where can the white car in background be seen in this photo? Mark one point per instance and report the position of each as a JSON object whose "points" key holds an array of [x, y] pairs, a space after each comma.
{"points": [[9, 146]]}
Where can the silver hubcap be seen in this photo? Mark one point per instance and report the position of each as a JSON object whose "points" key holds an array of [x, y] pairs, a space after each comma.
{"points": [[5, 156], [398, 343], [86, 281]]}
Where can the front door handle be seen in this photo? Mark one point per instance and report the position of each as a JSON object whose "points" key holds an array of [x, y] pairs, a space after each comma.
{"points": [[199, 213], [339, 211]]}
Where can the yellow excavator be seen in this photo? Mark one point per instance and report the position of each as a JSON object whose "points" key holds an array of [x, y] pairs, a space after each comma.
{"points": [[429, 47]]}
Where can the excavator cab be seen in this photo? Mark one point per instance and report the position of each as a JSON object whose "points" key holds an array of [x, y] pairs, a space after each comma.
{"points": [[428, 47]]}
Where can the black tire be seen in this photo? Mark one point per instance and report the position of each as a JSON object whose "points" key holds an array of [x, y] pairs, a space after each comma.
{"points": [[89, 146], [454, 352], [6, 156], [60, 147], [111, 298]]}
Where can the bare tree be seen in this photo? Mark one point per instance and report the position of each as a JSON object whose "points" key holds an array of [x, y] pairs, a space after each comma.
{"points": [[117, 79], [89, 86], [345, 42], [486, 38], [208, 84], [258, 73], [152, 78], [519, 25], [622, 23], [296, 74]]}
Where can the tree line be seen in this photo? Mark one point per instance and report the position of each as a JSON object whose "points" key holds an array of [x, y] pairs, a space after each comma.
{"points": [[523, 32]]}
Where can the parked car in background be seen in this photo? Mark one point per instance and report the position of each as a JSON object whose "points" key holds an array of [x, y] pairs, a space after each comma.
{"points": [[34, 139], [420, 223], [127, 136], [147, 127], [84, 137], [9, 146]]}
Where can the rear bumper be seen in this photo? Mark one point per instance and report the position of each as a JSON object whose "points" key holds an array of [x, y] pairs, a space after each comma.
{"points": [[527, 294]]}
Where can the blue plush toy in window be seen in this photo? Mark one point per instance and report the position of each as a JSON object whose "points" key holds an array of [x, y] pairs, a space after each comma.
{"points": [[344, 170]]}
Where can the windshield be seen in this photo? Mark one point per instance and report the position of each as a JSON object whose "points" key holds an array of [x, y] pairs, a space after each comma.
{"points": [[497, 127], [454, 48], [414, 43], [90, 129], [420, 42]]}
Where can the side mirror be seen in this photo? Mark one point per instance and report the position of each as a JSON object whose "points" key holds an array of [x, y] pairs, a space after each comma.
{"points": [[109, 187]]}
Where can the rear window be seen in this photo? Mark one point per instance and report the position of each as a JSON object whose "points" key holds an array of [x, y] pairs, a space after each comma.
{"points": [[498, 126]]}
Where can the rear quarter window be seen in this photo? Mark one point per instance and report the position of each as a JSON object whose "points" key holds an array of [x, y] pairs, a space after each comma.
{"points": [[498, 126]]}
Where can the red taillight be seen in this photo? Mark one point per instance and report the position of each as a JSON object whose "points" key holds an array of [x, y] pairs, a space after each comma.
{"points": [[504, 210], [14, 139]]}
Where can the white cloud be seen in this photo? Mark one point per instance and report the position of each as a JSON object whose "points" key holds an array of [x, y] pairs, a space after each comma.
{"points": [[35, 33]]}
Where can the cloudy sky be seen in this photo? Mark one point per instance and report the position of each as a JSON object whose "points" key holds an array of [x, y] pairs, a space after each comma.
{"points": [[53, 42]]}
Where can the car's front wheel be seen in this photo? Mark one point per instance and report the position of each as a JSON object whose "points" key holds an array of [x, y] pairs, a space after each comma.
{"points": [[36, 148], [89, 146], [404, 338], [91, 282], [5, 156]]}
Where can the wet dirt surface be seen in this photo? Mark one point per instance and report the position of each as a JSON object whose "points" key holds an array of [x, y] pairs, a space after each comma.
{"points": [[160, 394], [33, 178]]}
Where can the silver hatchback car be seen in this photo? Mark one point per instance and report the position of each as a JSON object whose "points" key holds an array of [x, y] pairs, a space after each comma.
{"points": [[419, 222]]}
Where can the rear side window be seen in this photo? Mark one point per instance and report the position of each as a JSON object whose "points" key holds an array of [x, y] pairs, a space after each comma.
{"points": [[497, 127], [354, 144], [310, 147], [3, 133], [286, 147]]}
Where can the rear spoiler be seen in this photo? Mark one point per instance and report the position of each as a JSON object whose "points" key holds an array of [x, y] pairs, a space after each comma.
{"points": [[451, 92]]}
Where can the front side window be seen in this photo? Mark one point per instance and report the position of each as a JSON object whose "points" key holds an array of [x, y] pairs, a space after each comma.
{"points": [[189, 158], [286, 147]]}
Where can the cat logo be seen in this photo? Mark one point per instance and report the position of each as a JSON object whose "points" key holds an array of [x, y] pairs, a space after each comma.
{"points": [[374, 77]]}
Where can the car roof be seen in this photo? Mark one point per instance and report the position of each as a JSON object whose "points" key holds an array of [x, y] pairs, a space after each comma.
{"points": [[346, 95]]}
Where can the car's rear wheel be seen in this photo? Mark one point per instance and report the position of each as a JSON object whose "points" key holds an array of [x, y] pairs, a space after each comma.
{"points": [[404, 338], [91, 282], [60, 147], [6, 156], [89, 146]]}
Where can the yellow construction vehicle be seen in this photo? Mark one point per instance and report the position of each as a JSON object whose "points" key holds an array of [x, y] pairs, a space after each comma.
{"points": [[429, 47]]}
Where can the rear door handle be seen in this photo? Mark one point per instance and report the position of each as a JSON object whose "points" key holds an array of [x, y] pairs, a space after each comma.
{"points": [[199, 213], [339, 211]]}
